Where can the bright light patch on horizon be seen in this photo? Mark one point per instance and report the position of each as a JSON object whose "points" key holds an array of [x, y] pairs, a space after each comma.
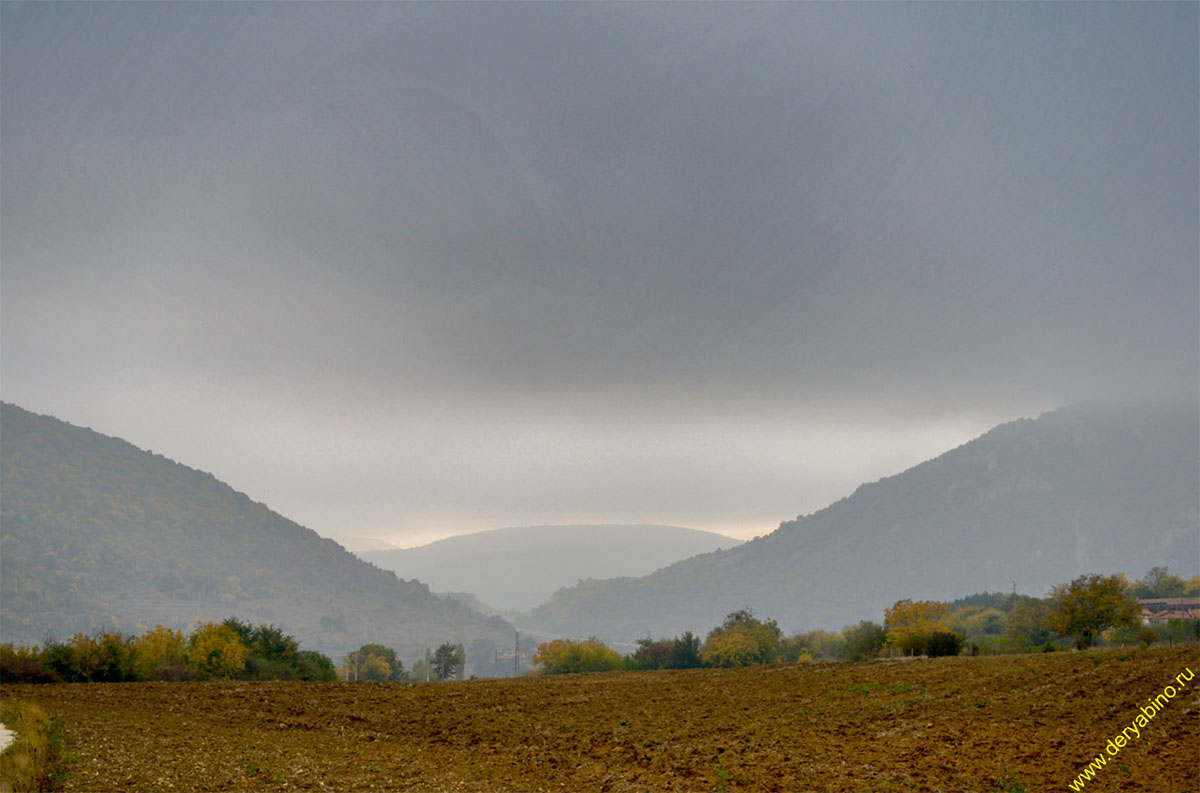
{"points": [[741, 480]]}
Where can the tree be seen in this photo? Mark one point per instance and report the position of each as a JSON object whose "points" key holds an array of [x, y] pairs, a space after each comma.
{"points": [[651, 654], [941, 643], [374, 662], [312, 665], [910, 623], [244, 630], [23, 665], [1091, 604], [682, 652], [862, 641], [1028, 624], [101, 657], [742, 640], [217, 650], [272, 643], [685, 652], [980, 620], [1158, 583], [160, 654], [448, 660], [731, 649], [826, 645], [567, 656]]}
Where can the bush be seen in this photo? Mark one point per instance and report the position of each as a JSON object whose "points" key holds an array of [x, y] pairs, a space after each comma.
{"points": [[566, 656], [259, 668], [651, 654], [942, 643], [862, 641], [312, 665], [1176, 631], [22, 665]]}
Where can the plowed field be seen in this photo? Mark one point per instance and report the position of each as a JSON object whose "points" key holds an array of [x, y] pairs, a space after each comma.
{"points": [[944, 724]]}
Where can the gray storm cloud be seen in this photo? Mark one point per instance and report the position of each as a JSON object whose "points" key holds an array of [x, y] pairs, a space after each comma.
{"points": [[226, 225]]}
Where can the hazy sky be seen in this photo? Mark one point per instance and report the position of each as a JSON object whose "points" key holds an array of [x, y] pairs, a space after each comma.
{"points": [[408, 270]]}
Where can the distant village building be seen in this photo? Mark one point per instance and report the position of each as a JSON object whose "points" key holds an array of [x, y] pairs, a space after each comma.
{"points": [[1155, 610]]}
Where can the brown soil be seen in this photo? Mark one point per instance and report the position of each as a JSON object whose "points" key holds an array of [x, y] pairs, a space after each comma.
{"points": [[945, 724]]}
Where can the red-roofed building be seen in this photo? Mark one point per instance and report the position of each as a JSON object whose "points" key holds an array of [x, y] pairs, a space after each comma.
{"points": [[1164, 609]]}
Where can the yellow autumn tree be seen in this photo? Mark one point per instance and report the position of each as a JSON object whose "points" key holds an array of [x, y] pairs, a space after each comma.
{"points": [[730, 649], [910, 623], [87, 656], [102, 657], [567, 656], [217, 650], [742, 640], [160, 654]]}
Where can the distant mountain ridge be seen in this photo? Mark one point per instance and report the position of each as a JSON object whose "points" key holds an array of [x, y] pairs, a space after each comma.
{"points": [[1035, 502], [97, 533], [521, 567]]}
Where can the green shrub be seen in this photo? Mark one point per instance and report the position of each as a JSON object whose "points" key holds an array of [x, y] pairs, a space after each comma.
{"points": [[862, 641], [942, 643]]}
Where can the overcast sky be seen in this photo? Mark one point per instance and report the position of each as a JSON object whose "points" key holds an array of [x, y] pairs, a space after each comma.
{"points": [[412, 270]]}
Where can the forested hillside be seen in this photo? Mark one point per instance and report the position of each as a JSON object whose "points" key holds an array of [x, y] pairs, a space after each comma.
{"points": [[96, 533], [1032, 502]]}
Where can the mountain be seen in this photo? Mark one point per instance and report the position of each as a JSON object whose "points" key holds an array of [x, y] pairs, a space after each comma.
{"points": [[356, 545], [519, 568], [96, 533], [1031, 503]]}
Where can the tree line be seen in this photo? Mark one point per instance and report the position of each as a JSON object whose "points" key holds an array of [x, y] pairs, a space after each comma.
{"points": [[1090, 609], [231, 650]]}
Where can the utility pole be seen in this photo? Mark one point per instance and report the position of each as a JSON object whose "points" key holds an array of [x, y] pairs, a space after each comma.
{"points": [[427, 662], [516, 653]]}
